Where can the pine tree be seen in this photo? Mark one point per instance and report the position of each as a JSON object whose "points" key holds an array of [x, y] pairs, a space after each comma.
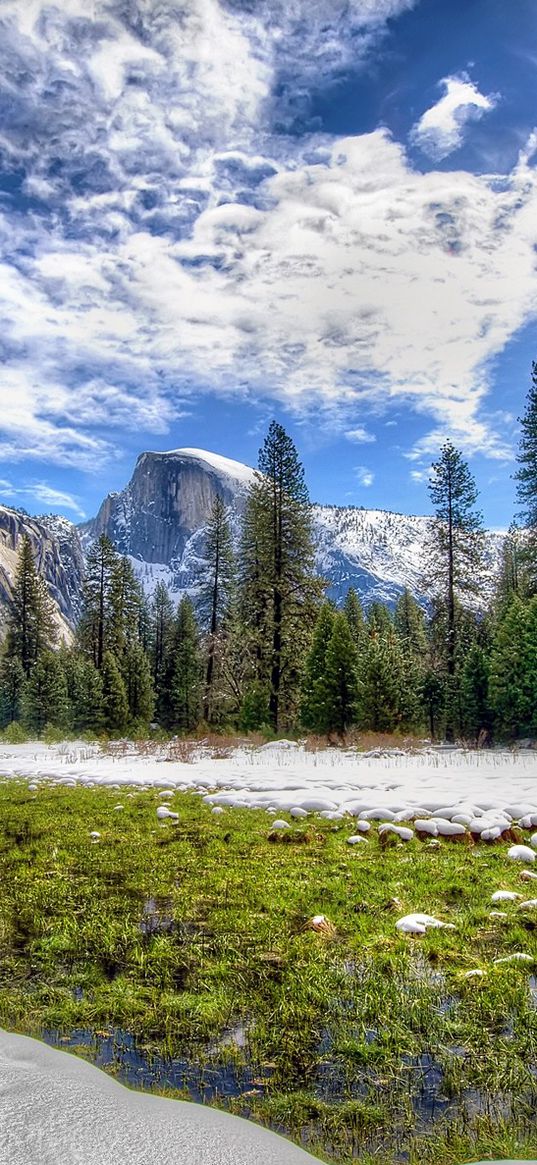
{"points": [[136, 672], [125, 608], [382, 676], [85, 692], [11, 689], [354, 614], [115, 703], [512, 675], [526, 475], [99, 603], [454, 552], [186, 685], [476, 713], [31, 625], [280, 591], [512, 576], [379, 619], [409, 623], [45, 694], [215, 592], [313, 713], [340, 685], [254, 711], [162, 635], [433, 699]]}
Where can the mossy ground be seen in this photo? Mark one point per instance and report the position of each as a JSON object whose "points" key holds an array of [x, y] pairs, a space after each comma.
{"points": [[187, 944]]}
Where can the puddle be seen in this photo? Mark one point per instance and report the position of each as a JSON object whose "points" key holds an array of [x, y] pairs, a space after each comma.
{"points": [[157, 917], [139, 1068]]}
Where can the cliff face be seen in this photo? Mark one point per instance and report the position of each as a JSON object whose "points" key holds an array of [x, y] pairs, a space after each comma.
{"points": [[159, 520], [58, 556], [167, 500]]}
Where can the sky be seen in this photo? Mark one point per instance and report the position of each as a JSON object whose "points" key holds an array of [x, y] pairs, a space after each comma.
{"points": [[217, 212]]}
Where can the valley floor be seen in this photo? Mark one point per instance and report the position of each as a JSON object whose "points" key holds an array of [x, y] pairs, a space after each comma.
{"points": [[221, 957]]}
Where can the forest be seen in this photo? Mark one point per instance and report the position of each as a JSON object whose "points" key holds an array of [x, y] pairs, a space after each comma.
{"points": [[260, 649]]}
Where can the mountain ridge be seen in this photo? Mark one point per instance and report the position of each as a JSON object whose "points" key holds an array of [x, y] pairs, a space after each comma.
{"points": [[158, 521]]}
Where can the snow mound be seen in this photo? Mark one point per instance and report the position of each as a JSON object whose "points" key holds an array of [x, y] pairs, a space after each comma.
{"points": [[60, 1108], [521, 853], [419, 923]]}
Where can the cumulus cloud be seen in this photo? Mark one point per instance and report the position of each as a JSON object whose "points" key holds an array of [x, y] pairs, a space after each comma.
{"points": [[360, 435], [166, 241], [365, 476], [440, 130]]}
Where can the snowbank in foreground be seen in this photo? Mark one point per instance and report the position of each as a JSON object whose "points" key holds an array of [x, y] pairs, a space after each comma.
{"points": [[283, 776], [55, 1107]]}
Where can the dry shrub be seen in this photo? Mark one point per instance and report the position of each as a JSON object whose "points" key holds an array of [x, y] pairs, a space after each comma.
{"points": [[363, 741], [296, 837], [184, 751]]}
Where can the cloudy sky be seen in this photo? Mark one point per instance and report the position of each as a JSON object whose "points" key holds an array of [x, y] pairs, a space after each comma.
{"points": [[213, 212]]}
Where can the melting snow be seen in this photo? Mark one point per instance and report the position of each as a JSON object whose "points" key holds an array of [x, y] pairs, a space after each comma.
{"points": [[487, 789]]}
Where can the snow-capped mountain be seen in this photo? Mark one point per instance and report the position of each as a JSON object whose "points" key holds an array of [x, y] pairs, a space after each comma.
{"points": [[159, 522]]}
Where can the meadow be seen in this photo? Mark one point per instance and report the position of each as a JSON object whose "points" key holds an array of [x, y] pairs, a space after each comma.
{"points": [[182, 955]]}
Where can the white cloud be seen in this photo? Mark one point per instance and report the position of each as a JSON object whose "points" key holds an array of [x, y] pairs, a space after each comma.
{"points": [[365, 476], [419, 475], [56, 498], [440, 129], [360, 435], [40, 491], [184, 247]]}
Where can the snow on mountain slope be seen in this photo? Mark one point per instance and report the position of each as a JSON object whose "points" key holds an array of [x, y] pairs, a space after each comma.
{"points": [[375, 551], [224, 466], [159, 519]]}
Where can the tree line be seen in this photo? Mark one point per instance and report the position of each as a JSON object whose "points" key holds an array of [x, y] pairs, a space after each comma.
{"points": [[261, 648]]}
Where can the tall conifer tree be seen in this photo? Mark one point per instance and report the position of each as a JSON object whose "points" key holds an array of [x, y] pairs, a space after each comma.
{"points": [[280, 587], [454, 553], [31, 625]]}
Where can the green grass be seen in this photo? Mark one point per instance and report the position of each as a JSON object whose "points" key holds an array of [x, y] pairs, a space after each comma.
{"points": [[192, 940]]}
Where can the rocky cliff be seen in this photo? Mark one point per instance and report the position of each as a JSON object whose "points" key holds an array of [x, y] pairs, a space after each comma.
{"points": [[58, 556], [167, 500], [159, 519]]}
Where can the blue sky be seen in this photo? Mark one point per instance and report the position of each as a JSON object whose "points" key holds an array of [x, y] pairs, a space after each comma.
{"points": [[213, 212]]}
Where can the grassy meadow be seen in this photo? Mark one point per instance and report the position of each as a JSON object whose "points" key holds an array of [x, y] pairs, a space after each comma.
{"points": [[181, 956]]}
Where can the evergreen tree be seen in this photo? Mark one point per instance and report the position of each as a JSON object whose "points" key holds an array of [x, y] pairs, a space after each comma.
{"points": [[454, 552], [115, 703], [379, 619], [162, 636], [433, 699], [31, 626], [254, 712], [313, 712], [512, 675], [85, 692], [526, 475], [11, 689], [216, 590], [512, 576], [125, 609], [186, 686], [354, 614], [44, 698], [136, 672], [409, 623], [476, 714], [279, 586], [382, 676], [340, 686], [96, 630]]}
